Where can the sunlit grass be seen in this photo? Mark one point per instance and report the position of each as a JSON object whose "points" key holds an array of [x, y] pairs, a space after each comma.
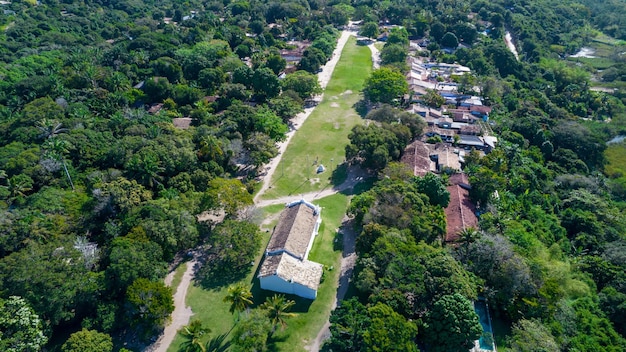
{"points": [[324, 135], [208, 305]]}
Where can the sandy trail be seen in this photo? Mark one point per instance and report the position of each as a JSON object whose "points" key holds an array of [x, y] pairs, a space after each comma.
{"points": [[375, 56], [181, 313], [323, 77], [348, 261]]}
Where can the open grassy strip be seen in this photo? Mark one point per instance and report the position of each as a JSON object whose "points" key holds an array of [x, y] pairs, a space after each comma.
{"points": [[178, 275], [303, 328], [323, 136], [209, 308], [616, 164]]}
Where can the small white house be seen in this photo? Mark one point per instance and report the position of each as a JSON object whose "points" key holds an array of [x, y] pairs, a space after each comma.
{"points": [[285, 267]]}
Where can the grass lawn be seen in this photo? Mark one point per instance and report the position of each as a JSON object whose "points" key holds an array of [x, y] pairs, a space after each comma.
{"points": [[323, 136], [209, 308], [616, 156]]}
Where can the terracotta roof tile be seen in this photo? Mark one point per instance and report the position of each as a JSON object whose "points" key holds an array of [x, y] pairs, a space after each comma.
{"points": [[460, 213], [294, 230], [417, 156]]}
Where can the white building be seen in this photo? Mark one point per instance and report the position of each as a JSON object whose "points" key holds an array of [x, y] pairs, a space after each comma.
{"points": [[285, 267]]}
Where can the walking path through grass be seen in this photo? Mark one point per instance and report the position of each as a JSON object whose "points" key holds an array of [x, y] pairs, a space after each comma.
{"points": [[321, 138], [323, 77]]}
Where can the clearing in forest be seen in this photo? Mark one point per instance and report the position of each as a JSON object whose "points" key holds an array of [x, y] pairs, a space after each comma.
{"points": [[321, 140]]}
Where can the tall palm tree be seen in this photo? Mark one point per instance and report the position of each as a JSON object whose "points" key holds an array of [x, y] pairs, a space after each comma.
{"points": [[239, 297], [56, 149], [467, 236], [193, 334], [218, 343], [277, 309], [50, 128]]}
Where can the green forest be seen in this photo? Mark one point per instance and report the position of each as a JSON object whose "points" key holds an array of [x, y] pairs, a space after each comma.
{"points": [[121, 122]]}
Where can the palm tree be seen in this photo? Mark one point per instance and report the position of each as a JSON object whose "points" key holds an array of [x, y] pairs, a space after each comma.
{"points": [[56, 148], [50, 128], [239, 296], [218, 343], [277, 309], [193, 334], [467, 236]]}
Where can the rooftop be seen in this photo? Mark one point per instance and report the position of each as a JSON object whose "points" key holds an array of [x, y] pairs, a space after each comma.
{"points": [[294, 229], [291, 269], [416, 155], [460, 212]]}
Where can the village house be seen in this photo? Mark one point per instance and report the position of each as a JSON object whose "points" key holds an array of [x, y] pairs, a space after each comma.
{"points": [[460, 212], [285, 267]]}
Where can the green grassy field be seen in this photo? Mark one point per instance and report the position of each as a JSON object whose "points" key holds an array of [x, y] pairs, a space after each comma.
{"points": [[324, 135], [616, 158], [209, 308]]}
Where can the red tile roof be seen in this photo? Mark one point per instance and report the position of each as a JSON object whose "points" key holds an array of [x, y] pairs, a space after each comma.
{"points": [[461, 212], [417, 157]]}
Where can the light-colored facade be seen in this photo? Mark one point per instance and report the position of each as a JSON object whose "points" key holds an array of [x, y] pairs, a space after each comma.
{"points": [[285, 267]]}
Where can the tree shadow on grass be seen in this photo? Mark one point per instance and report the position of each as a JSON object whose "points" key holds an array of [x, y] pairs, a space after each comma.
{"points": [[339, 174], [260, 295], [211, 277], [219, 343]]}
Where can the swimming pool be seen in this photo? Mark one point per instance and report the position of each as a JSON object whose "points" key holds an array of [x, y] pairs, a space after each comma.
{"points": [[486, 340]]}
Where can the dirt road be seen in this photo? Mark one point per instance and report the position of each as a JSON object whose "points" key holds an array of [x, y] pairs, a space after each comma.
{"points": [[181, 313], [348, 261]]}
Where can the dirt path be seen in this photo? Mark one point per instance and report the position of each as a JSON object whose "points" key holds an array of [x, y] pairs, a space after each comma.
{"points": [[323, 77], [375, 56], [181, 313], [348, 261], [355, 175]]}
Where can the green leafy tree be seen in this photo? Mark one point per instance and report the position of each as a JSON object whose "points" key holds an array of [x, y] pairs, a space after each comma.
{"points": [[303, 83], [21, 329], [433, 99], [449, 40], [434, 187], [261, 148], [388, 330], [131, 259], [234, 244], [393, 54], [251, 333], [150, 304], [385, 85], [452, 325], [227, 195], [265, 83], [376, 145], [266, 121], [52, 278], [88, 341], [369, 29], [348, 322], [531, 335]]}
